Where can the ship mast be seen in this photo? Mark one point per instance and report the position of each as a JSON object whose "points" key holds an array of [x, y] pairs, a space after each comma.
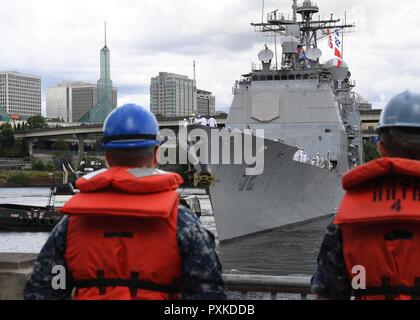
{"points": [[310, 30]]}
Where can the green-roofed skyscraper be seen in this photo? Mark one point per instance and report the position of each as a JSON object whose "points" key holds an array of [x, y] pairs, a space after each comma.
{"points": [[104, 104]]}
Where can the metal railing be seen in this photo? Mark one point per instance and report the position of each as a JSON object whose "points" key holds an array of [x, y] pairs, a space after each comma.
{"points": [[10, 164], [72, 152], [273, 285]]}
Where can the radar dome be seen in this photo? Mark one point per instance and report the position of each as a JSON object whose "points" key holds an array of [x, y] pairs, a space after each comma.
{"points": [[266, 55], [314, 54], [337, 73]]}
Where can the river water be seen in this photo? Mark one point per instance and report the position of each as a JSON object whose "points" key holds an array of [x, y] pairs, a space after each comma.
{"points": [[289, 251]]}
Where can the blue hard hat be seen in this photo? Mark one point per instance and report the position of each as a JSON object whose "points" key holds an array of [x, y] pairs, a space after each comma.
{"points": [[403, 110], [130, 127]]}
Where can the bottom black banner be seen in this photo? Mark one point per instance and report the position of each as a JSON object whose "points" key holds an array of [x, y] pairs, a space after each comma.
{"points": [[203, 309]]}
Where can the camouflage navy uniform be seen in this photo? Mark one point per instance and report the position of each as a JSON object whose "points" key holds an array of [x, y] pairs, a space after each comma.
{"points": [[201, 270], [330, 280]]}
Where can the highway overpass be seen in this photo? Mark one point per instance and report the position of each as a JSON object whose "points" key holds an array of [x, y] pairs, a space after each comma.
{"points": [[82, 133]]}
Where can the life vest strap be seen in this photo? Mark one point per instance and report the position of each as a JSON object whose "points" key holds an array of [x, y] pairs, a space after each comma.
{"points": [[133, 284], [390, 291]]}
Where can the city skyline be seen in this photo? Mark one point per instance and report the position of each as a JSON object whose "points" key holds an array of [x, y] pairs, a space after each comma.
{"points": [[62, 45]]}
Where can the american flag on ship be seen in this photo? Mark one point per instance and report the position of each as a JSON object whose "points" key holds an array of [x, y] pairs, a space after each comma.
{"points": [[334, 41]]}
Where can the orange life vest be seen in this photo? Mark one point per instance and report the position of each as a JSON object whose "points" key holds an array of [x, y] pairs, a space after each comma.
{"points": [[380, 222], [122, 235]]}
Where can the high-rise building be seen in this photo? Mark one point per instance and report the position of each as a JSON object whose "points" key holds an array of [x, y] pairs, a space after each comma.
{"points": [[105, 103], [206, 103], [72, 100], [172, 95], [20, 93]]}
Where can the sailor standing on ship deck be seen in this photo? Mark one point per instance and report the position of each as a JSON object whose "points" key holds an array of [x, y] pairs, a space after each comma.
{"points": [[125, 236], [298, 155], [372, 249], [304, 157], [203, 121], [212, 123], [318, 160], [197, 120]]}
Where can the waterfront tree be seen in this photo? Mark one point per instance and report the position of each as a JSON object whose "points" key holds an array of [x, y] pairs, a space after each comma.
{"points": [[60, 144], [37, 122], [62, 157], [49, 167], [370, 152], [7, 138], [38, 165], [19, 149]]}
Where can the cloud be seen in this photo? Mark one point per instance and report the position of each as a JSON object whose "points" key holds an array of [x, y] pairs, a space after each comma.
{"points": [[60, 40]]}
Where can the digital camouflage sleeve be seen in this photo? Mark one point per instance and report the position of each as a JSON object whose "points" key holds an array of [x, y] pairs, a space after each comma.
{"points": [[330, 280], [201, 269]]}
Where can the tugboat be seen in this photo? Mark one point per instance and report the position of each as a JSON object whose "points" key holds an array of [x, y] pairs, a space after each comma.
{"points": [[21, 218]]}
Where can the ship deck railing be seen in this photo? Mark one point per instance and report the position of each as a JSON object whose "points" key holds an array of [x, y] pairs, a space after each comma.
{"points": [[260, 287]]}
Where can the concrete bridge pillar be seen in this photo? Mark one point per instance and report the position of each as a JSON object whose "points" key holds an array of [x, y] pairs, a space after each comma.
{"points": [[31, 147], [81, 143]]}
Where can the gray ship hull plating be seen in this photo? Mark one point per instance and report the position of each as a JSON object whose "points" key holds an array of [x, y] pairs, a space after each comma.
{"points": [[287, 192]]}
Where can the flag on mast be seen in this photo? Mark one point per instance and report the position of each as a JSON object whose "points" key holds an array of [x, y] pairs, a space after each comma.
{"points": [[336, 44], [330, 42]]}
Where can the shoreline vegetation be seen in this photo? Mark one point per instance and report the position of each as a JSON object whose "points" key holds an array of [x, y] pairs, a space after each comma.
{"points": [[30, 179]]}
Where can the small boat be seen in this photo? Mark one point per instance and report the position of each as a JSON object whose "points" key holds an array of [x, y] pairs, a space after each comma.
{"points": [[24, 218]]}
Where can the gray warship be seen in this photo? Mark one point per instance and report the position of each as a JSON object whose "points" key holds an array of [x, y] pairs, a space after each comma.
{"points": [[309, 105]]}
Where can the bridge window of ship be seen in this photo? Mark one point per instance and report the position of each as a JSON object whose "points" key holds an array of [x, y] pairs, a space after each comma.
{"points": [[292, 77], [254, 78], [298, 77], [262, 78], [283, 77], [270, 78], [277, 78], [305, 77]]}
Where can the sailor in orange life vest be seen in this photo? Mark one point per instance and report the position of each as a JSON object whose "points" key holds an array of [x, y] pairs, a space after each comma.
{"points": [[371, 251], [124, 235]]}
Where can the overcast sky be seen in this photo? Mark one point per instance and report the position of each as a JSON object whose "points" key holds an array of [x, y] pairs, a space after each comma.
{"points": [[60, 40]]}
